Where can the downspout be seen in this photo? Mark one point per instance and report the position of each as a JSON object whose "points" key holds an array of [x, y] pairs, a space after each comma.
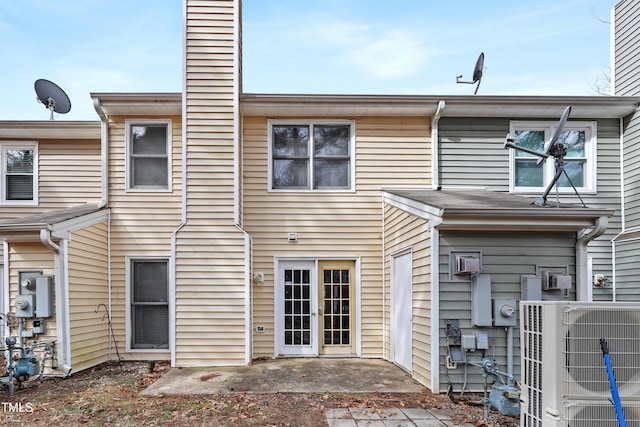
{"points": [[584, 292], [385, 337], [435, 146], [62, 315], [104, 151], [435, 308], [104, 200], [622, 204]]}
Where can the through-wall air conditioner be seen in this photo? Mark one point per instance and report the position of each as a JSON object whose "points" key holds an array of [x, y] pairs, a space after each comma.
{"points": [[564, 379]]}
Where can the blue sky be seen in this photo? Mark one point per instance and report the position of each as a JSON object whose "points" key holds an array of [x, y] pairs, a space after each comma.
{"points": [[531, 47]]}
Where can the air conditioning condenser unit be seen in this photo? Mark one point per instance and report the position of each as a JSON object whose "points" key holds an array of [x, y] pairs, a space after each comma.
{"points": [[564, 380]]}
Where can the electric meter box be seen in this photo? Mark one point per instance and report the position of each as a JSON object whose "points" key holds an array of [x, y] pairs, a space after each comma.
{"points": [[24, 305], [504, 312], [44, 296]]}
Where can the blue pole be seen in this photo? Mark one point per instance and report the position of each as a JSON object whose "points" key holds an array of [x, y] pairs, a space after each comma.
{"points": [[612, 382]]}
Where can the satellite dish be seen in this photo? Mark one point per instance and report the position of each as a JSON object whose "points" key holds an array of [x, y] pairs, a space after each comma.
{"points": [[477, 73], [552, 149], [52, 96], [551, 145]]}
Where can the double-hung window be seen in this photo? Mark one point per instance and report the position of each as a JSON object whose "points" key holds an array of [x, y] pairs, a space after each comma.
{"points": [[311, 156], [149, 305], [149, 155], [19, 173], [527, 175]]}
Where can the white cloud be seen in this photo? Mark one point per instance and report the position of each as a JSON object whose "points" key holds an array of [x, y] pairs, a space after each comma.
{"points": [[394, 54]]}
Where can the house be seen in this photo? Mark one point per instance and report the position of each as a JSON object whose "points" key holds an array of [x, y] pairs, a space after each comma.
{"points": [[212, 227], [625, 81]]}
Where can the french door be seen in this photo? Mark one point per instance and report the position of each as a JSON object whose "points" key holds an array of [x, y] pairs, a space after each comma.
{"points": [[315, 308], [297, 308]]}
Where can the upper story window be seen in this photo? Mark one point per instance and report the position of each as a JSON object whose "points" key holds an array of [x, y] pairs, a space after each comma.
{"points": [[311, 156], [19, 173], [149, 155], [526, 175]]}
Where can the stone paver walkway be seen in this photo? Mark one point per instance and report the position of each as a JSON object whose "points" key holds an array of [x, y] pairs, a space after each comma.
{"points": [[394, 417]]}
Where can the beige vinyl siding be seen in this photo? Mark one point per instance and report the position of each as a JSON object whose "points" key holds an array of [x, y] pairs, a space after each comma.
{"points": [[30, 256], [389, 151], [626, 33], [141, 222], [505, 259], [69, 175], [403, 230], [87, 272], [472, 154], [210, 249]]}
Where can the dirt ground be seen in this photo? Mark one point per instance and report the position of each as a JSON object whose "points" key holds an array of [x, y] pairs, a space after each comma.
{"points": [[109, 395]]}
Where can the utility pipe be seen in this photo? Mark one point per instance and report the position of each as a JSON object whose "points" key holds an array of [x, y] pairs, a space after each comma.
{"points": [[510, 354]]}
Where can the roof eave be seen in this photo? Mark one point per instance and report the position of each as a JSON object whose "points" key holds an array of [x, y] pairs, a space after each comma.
{"points": [[426, 105], [140, 104], [50, 129]]}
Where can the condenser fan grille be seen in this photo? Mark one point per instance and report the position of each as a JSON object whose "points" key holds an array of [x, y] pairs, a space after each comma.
{"points": [[586, 375], [603, 414]]}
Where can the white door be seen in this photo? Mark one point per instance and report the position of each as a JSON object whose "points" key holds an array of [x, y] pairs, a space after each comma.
{"points": [[296, 309], [401, 310]]}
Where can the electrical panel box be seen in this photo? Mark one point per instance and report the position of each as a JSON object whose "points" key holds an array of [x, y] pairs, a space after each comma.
{"points": [[482, 340], [44, 296], [36, 297], [530, 288], [481, 300], [39, 326], [469, 342], [504, 312]]}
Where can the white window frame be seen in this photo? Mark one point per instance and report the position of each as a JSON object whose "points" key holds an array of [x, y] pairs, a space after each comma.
{"points": [[310, 189], [128, 147], [3, 158], [590, 166], [129, 260]]}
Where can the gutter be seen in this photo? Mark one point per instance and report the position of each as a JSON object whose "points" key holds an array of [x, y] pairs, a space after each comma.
{"points": [[63, 331], [435, 146], [584, 292], [104, 200]]}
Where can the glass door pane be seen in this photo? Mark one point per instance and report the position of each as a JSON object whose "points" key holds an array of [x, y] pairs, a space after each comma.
{"points": [[296, 293], [337, 318]]}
